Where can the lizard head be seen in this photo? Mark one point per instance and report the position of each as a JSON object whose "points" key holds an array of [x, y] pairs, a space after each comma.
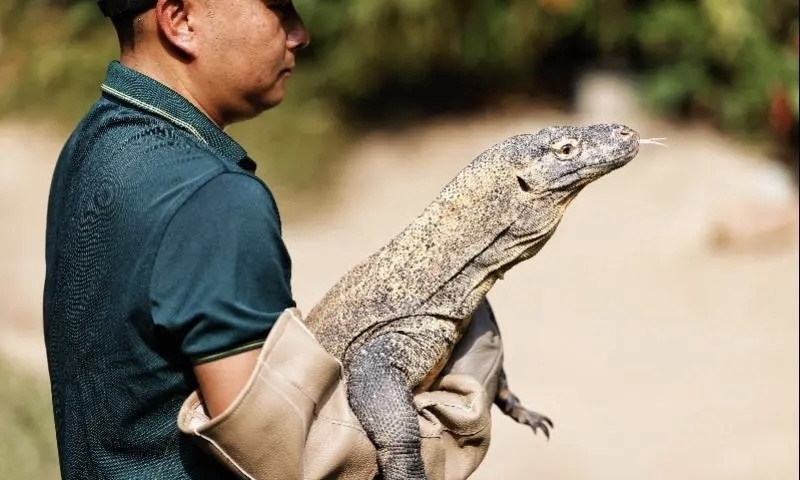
{"points": [[563, 159], [551, 167]]}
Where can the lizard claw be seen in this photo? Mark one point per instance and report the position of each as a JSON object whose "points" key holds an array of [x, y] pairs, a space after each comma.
{"points": [[511, 406], [535, 421]]}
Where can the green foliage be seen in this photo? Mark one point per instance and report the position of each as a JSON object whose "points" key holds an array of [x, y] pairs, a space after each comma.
{"points": [[729, 58], [418, 56], [52, 59], [732, 62], [27, 437], [726, 59]]}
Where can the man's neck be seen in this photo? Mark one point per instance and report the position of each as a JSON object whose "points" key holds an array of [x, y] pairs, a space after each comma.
{"points": [[166, 73]]}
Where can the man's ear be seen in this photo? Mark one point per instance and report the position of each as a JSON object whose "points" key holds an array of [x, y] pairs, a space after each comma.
{"points": [[174, 19]]}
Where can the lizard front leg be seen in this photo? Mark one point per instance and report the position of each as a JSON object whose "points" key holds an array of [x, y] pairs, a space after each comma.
{"points": [[379, 390]]}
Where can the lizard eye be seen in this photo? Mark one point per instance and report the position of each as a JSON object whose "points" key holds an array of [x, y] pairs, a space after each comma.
{"points": [[566, 148]]}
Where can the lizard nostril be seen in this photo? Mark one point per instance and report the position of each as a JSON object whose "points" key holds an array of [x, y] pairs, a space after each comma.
{"points": [[624, 133]]}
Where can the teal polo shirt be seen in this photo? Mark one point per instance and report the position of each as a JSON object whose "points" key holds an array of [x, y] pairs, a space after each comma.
{"points": [[163, 250]]}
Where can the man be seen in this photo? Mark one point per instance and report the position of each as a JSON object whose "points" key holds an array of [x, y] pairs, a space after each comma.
{"points": [[165, 263]]}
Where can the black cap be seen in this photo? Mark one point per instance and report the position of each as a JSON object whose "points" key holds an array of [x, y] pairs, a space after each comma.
{"points": [[111, 8]]}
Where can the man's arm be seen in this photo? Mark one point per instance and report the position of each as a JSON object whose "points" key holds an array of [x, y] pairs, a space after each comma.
{"points": [[297, 405], [219, 282], [220, 381]]}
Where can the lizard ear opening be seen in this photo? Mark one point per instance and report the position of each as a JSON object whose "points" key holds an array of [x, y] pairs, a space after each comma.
{"points": [[523, 185]]}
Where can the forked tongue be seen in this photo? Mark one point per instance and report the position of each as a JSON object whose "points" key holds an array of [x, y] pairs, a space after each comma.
{"points": [[653, 141]]}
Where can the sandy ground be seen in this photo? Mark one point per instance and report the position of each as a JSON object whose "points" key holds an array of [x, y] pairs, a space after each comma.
{"points": [[657, 355]]}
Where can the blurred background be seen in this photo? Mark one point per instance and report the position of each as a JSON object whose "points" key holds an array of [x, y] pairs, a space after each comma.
{"points": [[658, 328]]}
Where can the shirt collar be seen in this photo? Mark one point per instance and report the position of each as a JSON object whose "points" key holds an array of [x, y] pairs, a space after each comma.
{"points": [[145, 93]]}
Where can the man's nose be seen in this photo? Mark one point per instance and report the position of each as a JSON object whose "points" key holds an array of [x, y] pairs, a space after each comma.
{"points": [[298, 36]]}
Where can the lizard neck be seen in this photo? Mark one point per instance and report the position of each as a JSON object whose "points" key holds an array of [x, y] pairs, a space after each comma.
{"points": [[450, 255], [460, 296]]}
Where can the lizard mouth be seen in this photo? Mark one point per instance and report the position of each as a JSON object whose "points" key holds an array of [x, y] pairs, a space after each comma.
{"points": [[623, 159], [616, 162], [596, 169]]}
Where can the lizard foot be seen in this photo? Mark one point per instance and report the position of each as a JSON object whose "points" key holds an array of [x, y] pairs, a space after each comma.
{"points": [[511, 406], [528, 417]]}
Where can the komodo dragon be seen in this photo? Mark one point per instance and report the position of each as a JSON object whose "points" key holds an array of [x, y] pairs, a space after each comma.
{"points": [[393, 320]]}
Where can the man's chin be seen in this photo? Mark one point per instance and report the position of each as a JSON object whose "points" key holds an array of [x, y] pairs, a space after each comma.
{"points": [[256, 109], [273, 98], [262, 103]]}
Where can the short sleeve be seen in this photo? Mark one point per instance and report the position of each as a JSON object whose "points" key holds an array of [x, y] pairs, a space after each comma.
{"points": [[221, 276]]}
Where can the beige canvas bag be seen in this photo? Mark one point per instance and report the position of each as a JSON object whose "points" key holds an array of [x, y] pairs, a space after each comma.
{"points": [[292, 420]]}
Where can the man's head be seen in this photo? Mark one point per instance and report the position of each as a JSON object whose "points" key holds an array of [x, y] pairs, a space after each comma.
{"points": [[228, 57]]}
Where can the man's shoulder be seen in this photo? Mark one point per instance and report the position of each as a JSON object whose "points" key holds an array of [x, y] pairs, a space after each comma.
{"points": [[137, 134], [118, 136], [156, 164]]}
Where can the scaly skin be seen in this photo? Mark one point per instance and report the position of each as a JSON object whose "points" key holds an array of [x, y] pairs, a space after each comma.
{"points": [[394, 319]]}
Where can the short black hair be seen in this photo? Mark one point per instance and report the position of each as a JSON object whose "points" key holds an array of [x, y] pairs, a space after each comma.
{"points": [[112, 8], [123, 24], [124, 15]]}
